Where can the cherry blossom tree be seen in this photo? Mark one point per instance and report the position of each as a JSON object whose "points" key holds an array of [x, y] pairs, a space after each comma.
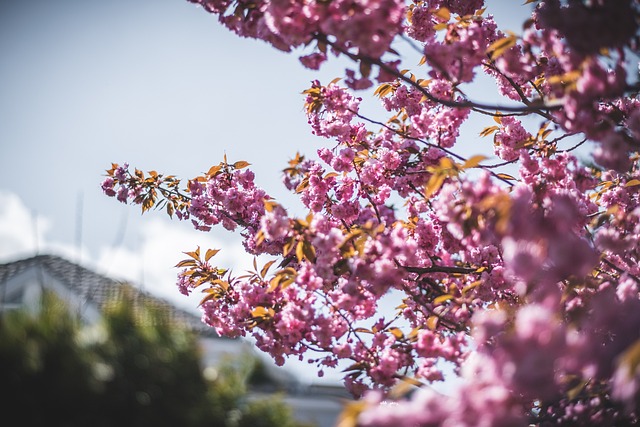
{"points": [[521, 273]]}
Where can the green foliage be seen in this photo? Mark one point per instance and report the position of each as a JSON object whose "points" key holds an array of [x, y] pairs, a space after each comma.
{"points": [[267, 412], [133, 369]]}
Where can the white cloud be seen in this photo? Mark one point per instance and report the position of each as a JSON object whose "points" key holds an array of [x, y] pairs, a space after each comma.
{"points": [[21, 231], [161, 246]]}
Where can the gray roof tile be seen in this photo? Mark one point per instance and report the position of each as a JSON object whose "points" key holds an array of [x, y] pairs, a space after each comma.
{"points": [[99, 289]]}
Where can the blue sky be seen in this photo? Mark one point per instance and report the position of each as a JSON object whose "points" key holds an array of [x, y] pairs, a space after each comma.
{"points": [[156, 83]]}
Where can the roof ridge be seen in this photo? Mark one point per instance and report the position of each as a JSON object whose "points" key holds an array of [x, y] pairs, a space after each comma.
{"points": [[98, 288]]}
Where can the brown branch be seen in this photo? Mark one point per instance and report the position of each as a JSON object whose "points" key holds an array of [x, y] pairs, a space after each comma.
{"points": [[439, 269], [532, 108]]}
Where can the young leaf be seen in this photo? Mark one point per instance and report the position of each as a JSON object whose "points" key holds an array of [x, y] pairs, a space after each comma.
{"points": [[266, 267], [474, 161], [433, 185], [241, 164], [396, 332], [499, 47], [488, 130], [300, 251], [506, 176], [443, 14], [442, 298], [210, 253], [309, 251], [432, 322]]}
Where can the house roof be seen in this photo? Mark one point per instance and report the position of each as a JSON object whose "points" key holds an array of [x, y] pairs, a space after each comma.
{"points": [[100, 290]]}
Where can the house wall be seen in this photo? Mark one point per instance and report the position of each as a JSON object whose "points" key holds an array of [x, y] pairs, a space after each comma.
{"points": [[25, 289]]}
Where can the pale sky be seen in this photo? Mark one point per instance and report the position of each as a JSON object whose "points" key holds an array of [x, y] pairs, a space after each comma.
{"points": [[155, 83]]}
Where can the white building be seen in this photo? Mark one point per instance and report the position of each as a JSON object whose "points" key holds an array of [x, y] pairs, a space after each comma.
{"points": [[22, 283]]}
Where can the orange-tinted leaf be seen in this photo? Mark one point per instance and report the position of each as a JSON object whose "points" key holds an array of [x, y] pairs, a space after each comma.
{"points": [[400, 390], [489, 130], [186, 263], [208, 297], [433, 185], [354, 367], [262, 312], [210, 253], [350, 413], [499, 47], [396, 332], [432, 322], [473, 161], [303, 185], [471, 286], [506, 176], [442, 298], [440, 26], [273, 283], [265, 268], [443, 14], [288, 246], [411, 381], [241, 164], [309, 251], [380, 90], [300, 251], [194, 254]]}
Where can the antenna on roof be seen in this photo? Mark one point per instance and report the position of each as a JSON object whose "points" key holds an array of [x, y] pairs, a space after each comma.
{"points": [[79, 226], [78, 270], [36, 240], [142, 268]]}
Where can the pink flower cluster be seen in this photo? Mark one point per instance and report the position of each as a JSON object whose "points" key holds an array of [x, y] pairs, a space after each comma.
{"points": [[369, 26], [522, 276], [462, 50]]}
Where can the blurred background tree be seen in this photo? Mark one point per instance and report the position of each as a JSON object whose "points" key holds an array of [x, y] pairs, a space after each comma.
{"points": [[132, 369]]}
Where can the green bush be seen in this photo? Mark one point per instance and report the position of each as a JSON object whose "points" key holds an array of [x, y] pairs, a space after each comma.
{"points": [[133, 369]]}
